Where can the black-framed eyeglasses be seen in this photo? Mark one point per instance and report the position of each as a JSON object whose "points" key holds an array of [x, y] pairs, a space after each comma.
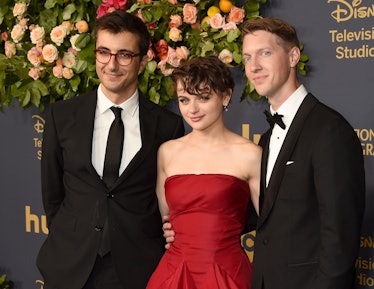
{"points": [[123, 58]]}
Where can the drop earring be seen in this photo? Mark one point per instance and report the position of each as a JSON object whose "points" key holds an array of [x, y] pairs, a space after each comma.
{"points": [[225, 107]]}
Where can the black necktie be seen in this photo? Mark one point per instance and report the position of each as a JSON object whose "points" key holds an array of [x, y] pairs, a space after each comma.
{"points": [[274, 119], [114, 146], [112, 164]]}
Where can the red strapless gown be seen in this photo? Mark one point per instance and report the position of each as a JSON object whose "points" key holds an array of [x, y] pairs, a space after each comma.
{"points": [[208, 213]]}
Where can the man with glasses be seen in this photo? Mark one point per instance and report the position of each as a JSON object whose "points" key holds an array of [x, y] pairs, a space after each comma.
{"points": [[99, 171]]}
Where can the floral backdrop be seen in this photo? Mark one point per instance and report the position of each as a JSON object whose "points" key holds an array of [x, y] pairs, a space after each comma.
{"points": [[46, 49]]}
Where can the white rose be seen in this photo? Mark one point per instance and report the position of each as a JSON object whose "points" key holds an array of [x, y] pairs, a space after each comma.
{"points": [[58, 34], [37, 34], [68, 60], [175, 34], [10, 49], [225, 56], [19, 9], [17, 33]]}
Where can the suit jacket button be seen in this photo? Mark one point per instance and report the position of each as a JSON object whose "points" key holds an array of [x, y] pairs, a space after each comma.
{"points": [[110, 196], [98, 228], [265, 241]]}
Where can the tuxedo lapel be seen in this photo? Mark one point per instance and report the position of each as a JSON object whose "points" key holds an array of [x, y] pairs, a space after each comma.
{"points": [[270, 193]]}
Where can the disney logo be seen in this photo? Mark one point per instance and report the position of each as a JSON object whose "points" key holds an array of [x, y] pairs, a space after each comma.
{"points": [[41, 283], [39, 125], [345, 11]]}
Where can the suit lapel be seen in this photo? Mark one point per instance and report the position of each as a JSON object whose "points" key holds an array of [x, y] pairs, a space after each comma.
{"points": [[148, 124], [270, 194], [85, 120]]}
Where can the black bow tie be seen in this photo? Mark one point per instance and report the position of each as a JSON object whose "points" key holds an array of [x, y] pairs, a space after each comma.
{"points": [[274, 119]]}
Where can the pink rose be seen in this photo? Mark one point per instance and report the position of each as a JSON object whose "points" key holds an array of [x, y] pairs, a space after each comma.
{"points": [[173, 2], [50, 53], [118, 4], [236, 15], [102, 10], [57, 71], [73, 51], [140, 15], [189, 13], [173, 58], [150, 54], [175, 21], [33, 55], [182, 52], [67, 73], [162, 66], [217, 21], [23, 22], [110, 6], [34, 73], [229, 26]]}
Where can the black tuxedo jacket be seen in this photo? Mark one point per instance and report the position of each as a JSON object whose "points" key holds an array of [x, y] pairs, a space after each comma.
{"points": [[76, 201], [309, 226]]}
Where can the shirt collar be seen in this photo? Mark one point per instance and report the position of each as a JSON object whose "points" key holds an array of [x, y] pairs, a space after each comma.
{"points": [[129, 105], [289, 108]]}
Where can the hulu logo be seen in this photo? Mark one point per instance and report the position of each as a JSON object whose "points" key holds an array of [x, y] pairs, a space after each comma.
{"points": [[34, 223]]}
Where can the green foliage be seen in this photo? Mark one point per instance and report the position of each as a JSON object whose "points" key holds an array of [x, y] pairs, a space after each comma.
{"points": [[4, 284], [15, 82], [36, 84]]}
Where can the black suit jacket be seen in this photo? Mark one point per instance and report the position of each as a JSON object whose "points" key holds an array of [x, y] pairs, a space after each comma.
{"points": [[76, 201], [309, 225]]}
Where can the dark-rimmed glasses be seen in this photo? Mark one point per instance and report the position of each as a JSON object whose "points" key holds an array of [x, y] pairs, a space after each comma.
{"points": [[123, 58]]}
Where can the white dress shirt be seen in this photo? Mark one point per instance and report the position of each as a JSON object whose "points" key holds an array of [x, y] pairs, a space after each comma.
{"points": [[288, 109], [103, 120]]}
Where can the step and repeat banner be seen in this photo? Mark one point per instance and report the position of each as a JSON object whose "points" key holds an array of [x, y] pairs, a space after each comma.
{"points": [[338, 37]]}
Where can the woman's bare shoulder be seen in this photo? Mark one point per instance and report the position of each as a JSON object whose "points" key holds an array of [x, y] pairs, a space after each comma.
{"points": [[171, 145]]}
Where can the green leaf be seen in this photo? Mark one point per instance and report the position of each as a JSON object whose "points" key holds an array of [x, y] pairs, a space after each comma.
{"points": [[147, 15], [47, 20], [237, 57], [3, 11], [233, 35], [80, 66], [304, 58], [49, 4], [68, 11], [83, 40], [151, 66], [168, 84], [154, 95], [74, 82], [208, 46]]}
